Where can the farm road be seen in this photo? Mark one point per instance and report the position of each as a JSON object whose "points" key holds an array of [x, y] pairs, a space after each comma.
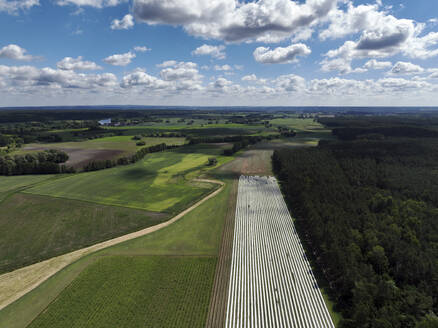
{"points": [[15, 284]]}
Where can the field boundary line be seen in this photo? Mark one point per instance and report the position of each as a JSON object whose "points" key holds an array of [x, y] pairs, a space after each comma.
{"points": [[23, 191], [15, 284], [219, 294]]}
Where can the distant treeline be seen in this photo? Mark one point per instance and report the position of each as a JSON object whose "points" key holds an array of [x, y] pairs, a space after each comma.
{"points": [[45, 162], [41, 115], [378, 127], [239, 142], [392, 131], [368, 212], [140, 154]]}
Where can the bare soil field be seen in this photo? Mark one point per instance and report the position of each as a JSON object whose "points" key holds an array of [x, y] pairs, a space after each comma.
{"points": [[80, 157]]}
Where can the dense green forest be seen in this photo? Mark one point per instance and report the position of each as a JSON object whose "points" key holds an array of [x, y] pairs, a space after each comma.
{"points": [[367, 208], [44, 162]]}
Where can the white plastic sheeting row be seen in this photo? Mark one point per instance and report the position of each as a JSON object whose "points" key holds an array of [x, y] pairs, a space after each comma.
{"points": [[271, 282]]}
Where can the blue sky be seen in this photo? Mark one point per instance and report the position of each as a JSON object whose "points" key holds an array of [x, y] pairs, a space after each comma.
{"points": [[218, 52]]}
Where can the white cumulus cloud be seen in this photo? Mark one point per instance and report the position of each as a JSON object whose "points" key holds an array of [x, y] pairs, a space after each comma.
{"points": [[91, 3], [406, 68], [141, 49], [208, 50], [235, 21], [281, 55], [225, 67], [125, 23], [375, 64], [69, 63], [180, 71], [120, 59], [15, 52], [12, 7]]}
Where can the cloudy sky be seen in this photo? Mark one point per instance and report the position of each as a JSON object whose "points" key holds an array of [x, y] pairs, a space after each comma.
{"points": [[219, 52]]}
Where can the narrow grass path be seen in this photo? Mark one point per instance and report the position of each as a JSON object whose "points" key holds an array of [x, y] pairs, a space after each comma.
{"points": [[15, 284]]}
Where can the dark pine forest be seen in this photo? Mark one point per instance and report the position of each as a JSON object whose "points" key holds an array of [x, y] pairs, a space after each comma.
{"points": [[366, 206]]}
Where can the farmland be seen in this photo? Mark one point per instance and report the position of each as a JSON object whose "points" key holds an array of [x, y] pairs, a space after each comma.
{"points": [[28, 234], [81, 206], [146, 291], [8, 184], [156, 183], [271, 282], [82, 152], [158, 279], [178, 239]]}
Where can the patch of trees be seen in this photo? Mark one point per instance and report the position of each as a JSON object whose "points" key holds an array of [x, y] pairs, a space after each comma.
{"points": [[46, 115], [140, 154], [368, 212], [253, 118], [5, 140], [227, 139], [45, 162], [212, 161], [391, 131], [243, 143], [286, 132]]}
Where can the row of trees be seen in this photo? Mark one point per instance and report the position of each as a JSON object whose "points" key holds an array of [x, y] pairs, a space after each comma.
{"points": [[241, 144], [45, 162], [368, 212], [140, 154]]}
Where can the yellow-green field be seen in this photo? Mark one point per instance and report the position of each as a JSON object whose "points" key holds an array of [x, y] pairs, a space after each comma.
{"points": [[160, 183]]}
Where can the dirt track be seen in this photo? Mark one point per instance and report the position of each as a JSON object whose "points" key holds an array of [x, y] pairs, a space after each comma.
{"points": [[17, 283], [218, 300]]}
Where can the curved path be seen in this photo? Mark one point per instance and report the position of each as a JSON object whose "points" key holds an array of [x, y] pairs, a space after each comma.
{"points": [[15, 284]]}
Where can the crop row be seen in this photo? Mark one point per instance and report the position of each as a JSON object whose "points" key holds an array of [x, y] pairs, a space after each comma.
{"points": [[271, 282]]}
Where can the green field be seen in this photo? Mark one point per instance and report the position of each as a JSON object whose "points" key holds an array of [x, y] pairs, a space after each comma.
{"points": [[124, 143], [34, 228], [146, 291], [156, 183], [16, 182], [197, 233], [299, 124]]}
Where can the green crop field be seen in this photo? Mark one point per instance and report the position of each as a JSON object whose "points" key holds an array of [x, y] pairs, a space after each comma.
{"points": [[124, 143], [146, 291], [35, 228], [197, 233], [20, 181], [156, 183], [298, 124]]}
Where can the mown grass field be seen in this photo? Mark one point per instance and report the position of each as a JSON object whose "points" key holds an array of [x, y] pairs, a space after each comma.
{"points": [[147, 291], [34, 228], [157, 183]]}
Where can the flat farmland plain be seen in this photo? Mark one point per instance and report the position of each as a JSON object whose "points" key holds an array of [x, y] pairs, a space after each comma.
{"points": [[35, 228], [158, 183], [108, 148], [271, 282], [138, 291]]}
